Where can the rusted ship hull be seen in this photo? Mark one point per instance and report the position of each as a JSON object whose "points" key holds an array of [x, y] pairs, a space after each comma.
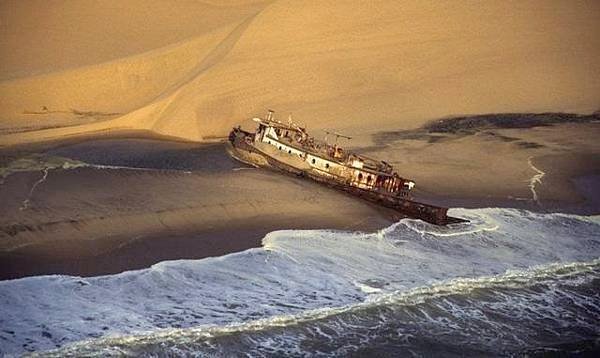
{"points": [[243, 150]]}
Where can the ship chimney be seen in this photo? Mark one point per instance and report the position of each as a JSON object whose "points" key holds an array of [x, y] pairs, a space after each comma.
{"points": [[270, 115]]}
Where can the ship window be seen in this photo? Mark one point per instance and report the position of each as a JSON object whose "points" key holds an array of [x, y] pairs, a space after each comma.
{"points": [[279, 147], [290, 151], [313, 161], [326, 165], [359, 176]]}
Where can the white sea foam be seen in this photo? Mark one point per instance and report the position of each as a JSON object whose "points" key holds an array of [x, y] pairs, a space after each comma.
{"points": [[535, 179], [38, 162], [26, 202], [567, 274], [296, 272], [45, 163]]}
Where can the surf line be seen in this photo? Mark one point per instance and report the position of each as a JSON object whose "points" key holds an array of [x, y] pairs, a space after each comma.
{"points": [[26, 202], [535, 179]]}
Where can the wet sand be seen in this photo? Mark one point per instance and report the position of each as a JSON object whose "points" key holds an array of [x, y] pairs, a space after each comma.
{"points": [[141, 201], [523, 161], [125, 203]]}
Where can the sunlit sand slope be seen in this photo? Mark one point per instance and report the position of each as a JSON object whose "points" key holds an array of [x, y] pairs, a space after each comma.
{"points": [[337, 64], [42, 36]]}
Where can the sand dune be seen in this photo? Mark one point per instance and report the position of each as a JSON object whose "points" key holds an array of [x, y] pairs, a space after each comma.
{"points": [[111, 89], [194, 69], [48, 36]]}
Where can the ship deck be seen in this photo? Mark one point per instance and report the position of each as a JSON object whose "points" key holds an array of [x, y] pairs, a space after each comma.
{"points": [[320, 149]]}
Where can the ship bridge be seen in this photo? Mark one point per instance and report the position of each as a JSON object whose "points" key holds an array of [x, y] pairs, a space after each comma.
{"points": [[328, 160]]}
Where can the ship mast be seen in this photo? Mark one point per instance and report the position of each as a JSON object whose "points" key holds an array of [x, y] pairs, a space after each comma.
{"points": [[270, 115]]}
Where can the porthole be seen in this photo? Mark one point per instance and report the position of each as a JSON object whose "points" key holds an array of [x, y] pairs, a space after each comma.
{"points": [[369, 179], [326, 165], [359, 176], [290, 151], [279, 147], [313, 161]]}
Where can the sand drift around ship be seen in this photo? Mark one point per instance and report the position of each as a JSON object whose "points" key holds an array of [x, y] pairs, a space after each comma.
{"points": [[287, 147]]}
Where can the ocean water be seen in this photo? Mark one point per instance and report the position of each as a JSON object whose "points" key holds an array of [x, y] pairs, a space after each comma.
{"points": [[509, 282]]}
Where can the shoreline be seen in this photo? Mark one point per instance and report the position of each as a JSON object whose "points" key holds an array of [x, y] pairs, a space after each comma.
{"points": [[131, 250], [139, 252], [140, 199], [101, 218]]}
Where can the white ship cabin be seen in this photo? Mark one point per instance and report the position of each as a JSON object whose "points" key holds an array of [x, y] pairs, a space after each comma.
{"points": [[330, 160]]}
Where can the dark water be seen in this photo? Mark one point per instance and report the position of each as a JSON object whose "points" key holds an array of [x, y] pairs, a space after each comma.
{"points": [[552, 312]]}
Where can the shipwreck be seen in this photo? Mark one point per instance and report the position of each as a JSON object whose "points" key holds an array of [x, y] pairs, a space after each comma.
{"points": [[288, 148]]}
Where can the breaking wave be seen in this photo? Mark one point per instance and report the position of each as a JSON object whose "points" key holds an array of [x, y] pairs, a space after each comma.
{"points": [[508, 281]]}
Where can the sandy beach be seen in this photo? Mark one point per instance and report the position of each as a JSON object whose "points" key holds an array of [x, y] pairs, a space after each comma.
{"points": [[129, 203], [106, 205]]}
